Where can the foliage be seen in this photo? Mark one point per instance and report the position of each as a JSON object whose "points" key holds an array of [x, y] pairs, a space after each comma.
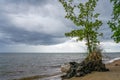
{"points": [[83, 16], [115, 21]]}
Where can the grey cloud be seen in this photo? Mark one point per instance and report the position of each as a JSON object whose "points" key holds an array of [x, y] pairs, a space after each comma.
{"points": [[21, 6], [104, 7], [32, 2], [106, 32], [15, 35]]}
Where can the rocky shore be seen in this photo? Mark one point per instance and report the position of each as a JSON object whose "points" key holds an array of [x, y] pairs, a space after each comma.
{"points": [[93, 62], [112, 74]]}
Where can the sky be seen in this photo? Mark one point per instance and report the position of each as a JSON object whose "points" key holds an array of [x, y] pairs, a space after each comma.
{"points": [[39, 26]]}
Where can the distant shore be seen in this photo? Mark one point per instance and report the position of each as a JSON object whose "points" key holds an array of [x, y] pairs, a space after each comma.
{"points": [[113, 74]]}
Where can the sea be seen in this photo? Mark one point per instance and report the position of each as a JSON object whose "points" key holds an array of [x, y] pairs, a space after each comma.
{"points": [[44, 66]]}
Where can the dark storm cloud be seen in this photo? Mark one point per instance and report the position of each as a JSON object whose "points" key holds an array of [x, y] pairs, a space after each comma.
{"points": [[14, 35], [17, 35], [16, 6], [32, 2]]}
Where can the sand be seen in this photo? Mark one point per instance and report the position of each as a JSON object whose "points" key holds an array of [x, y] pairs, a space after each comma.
{"points": [[113, 74]]}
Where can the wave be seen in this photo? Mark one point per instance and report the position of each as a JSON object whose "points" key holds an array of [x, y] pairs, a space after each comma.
{"points": [[112, 60], [55, 66], [55, 76]]}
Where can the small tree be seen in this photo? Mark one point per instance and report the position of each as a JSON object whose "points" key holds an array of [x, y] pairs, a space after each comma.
{"points": [[88, 24], [115, 21], [86, 19]]}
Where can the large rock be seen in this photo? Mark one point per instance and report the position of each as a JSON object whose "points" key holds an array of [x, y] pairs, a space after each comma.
{"points": [[93, 62], [69, 69], [81, 69], [65, 68]]}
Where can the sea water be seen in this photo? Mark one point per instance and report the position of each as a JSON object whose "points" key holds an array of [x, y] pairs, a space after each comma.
{"points": [[19, 65]]}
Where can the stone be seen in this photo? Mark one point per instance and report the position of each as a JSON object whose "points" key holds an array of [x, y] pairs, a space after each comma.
{"points": [[65, 68], [81, 69]]}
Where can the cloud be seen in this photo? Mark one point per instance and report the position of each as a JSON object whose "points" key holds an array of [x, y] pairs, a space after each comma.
{"points": [[104, 7], [31, 2], [32, 24], [39, 25], [70, 46], [36, 23], [110, 46], [17, 36]]}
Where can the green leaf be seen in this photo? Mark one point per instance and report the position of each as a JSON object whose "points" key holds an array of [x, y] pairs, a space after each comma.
{"points": [[86, 20], [114, 23], [96, 15]]}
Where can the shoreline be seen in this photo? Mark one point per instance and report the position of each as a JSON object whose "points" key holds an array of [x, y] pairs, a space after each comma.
{"points": [[113, 74], [40, 77]]}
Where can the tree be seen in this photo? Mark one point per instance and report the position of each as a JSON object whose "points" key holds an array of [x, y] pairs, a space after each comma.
{"points": [[86, 19], [114, 23]]}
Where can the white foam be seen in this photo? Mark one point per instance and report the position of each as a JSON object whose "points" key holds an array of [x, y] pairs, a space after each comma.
{"points": [[112, 60], [56, 77]]}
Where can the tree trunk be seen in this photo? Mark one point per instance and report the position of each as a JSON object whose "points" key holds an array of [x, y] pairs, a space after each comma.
{"points": [[88, 44]]}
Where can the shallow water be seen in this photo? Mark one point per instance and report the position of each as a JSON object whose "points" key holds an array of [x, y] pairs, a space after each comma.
{"points": [[15, 66]]}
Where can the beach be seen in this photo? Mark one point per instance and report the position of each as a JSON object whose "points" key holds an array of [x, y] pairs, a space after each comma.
{"points": [[113, 74]]}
